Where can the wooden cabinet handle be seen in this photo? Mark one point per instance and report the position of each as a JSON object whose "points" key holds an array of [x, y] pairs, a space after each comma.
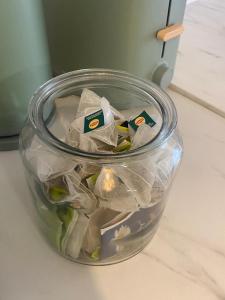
{"points": [[170, 32]]}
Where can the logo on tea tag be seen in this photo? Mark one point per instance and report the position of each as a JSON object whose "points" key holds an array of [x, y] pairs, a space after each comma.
{"points": [[94, 124], [139, 121], [143, 118], [94, 121]]}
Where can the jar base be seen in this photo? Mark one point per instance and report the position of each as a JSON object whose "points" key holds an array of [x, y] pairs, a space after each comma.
{"points": [[113, 261]]}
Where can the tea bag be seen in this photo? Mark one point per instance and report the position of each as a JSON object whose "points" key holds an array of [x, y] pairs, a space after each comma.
{"points": [[144, 123], [113, 193], [57, 190], [91, 102], [144, 127], [101, 218], [124, 145], [150, 109], [86, 170], [119, 118], [46, 162], [67, 188], [74, 229], [142, 136], [68, 217], [94, 129], [167, 159], [50, 222], [125, 188], [104, 140], [123, 131], [138, 178], [92, 241], [64, 114], [77, 236], [124, 204], [84, 200], [91, 181]]}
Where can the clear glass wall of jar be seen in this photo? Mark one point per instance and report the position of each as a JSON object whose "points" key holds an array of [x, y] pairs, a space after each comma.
{"points": [[120, 197]]}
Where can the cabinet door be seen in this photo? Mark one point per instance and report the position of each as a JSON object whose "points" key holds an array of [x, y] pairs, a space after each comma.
{"points": [[118, 34], [169, 52]]}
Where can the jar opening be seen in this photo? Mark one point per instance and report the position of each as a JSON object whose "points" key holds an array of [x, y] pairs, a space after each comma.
{"points": [[124, 91]]}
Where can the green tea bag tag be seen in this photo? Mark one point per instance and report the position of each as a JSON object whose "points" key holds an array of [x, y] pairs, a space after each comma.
{"points": [[143, 118], [94, 121]]}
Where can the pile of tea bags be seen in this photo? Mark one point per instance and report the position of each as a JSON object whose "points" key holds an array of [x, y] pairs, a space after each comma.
{"points": [[100, 128], [89, 199]]}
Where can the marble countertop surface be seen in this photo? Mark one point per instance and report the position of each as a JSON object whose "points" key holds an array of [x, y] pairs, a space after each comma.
{"points": [[185, 260], [200, 66]]}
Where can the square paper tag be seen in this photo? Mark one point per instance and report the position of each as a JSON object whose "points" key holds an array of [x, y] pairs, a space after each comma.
{"points": [[94, 121], [143, 118]]}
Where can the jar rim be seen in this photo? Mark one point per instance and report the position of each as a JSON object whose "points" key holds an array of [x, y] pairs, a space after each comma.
{"points": [[42, 94]]}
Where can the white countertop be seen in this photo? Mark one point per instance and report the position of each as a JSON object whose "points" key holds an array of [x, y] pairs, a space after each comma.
{"points": [[200, 64], [185, 260]]}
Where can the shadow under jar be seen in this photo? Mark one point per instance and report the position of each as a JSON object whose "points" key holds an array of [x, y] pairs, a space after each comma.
{"points": [[99, 208]]}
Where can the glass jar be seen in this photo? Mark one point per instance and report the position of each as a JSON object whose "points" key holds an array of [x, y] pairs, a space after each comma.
{"points": [[118, 198]]}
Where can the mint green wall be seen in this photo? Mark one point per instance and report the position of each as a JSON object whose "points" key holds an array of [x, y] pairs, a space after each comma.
{"points": [[24, 61]]}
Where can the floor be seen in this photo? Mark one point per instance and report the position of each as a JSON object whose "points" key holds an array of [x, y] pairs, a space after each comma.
{"points": [[200, 68]]}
